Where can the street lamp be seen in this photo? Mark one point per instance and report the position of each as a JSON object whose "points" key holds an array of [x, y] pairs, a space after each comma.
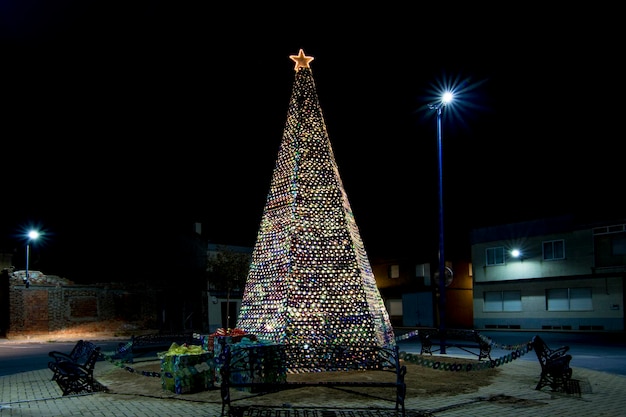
{"points": [[438, 107], [32, 235]]}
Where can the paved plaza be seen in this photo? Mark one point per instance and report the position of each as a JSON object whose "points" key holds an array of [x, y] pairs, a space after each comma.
{"points": [[511, 393]]}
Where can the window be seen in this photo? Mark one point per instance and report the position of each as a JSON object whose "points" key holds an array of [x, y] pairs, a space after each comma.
{"points": [[610, 246], [394, 307], [495, 256], [569, 299], [618, 247], [394, 271], [495, 301], [553, 249]]}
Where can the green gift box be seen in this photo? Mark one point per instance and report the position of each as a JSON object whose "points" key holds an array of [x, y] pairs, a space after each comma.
{"points": [[258, 363], [189, 373]]}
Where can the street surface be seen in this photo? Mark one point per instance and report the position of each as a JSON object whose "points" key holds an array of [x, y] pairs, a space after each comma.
{"points": [[605, 352]]}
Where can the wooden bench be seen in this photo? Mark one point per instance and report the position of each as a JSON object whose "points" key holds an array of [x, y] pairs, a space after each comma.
{"points": [[73, 371], [143, 344], [240, 369], [470, 341], [555, 369]]}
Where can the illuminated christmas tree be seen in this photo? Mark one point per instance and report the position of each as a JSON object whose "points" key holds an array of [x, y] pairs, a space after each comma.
{"points": [[311, 287]]}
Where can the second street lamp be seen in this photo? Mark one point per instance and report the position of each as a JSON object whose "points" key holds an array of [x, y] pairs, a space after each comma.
{"points": [[438, 107]]}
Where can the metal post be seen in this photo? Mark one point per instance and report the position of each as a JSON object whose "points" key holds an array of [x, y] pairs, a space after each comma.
{"points": [[27, 280], [442, 262]]}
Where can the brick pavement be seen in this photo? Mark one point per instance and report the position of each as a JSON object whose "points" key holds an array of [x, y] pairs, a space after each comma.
{"points": [[512, 393]]}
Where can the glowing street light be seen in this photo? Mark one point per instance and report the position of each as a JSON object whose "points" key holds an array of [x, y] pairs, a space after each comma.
{"points": [[438, 107], [32, 235]]}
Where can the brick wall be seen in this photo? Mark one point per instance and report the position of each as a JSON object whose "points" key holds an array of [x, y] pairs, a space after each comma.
{"points": [[55, 306]]}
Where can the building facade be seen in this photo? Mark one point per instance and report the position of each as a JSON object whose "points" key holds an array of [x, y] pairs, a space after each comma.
{"points": [[559, 273], [410, 291], [224, 292]]}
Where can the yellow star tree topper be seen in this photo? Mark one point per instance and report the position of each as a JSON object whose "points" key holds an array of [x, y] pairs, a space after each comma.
{"points": [[301, 60]]}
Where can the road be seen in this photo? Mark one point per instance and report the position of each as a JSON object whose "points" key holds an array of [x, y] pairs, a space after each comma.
{"points": [[604, 352], [30, 356]]}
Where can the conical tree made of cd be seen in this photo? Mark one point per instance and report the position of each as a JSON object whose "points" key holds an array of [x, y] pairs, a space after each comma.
{"points": [[310, 286]]}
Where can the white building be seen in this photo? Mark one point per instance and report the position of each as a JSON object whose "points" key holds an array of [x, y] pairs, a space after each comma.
{"points": [[568, 275]]}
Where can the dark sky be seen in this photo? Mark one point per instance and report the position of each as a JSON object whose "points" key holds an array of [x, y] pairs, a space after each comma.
{"points": [[122, 121]]}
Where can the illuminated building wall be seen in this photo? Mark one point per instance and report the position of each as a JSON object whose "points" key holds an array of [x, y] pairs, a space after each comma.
{"points": [[310, 285]]}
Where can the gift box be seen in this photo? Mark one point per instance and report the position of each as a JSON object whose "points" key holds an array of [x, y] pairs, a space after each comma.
{"points": [[187, 373], [217, 343], [219, 355], [232, 336], [256, 362], [203, 341]]}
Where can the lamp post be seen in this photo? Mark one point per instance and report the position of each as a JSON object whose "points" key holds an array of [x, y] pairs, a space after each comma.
{"points": [[32, 235], [438, 107]]}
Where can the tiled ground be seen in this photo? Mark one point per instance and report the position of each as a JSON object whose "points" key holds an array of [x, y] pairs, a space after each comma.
{"points": [[304, 412]]}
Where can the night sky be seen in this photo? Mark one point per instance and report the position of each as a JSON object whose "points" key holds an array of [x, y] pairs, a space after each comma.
{"points": [[124, 122]]}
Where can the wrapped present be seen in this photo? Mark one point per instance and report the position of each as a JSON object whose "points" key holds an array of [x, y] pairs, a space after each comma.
{"points": [[233, 336], [257, 361], [184, 373], [222, 338], [200, 340], [203, 341], [268, 363]]}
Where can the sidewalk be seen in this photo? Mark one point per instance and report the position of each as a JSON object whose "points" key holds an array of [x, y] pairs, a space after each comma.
{"points": [[512, 393]]}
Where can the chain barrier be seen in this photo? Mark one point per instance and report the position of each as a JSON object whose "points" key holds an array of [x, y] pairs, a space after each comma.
{"points": [[122, 364], [517, 351]]}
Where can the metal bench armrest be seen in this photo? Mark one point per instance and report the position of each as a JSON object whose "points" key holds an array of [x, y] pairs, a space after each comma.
{"points": [[556, 353]]}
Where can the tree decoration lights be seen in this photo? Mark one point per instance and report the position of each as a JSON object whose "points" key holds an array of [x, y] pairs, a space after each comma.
{"points": [[310, 286]]}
